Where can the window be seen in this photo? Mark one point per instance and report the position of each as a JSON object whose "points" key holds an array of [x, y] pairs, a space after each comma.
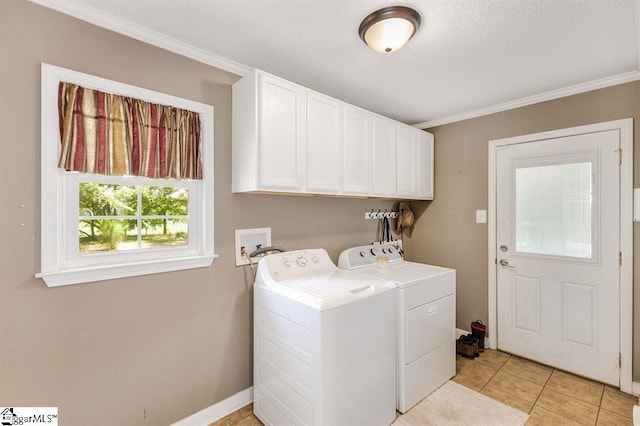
{"points": [[554, 204], [97, 227], [118, 217]]}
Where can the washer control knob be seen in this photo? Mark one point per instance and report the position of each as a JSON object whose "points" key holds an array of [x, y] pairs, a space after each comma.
{"points": [[373, 251], [363, 253], [287, 264], [315, 259], [302, 261]]}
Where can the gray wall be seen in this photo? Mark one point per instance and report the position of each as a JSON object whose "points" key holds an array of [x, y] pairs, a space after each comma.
{"points": [[164, 345], [446, 233]]}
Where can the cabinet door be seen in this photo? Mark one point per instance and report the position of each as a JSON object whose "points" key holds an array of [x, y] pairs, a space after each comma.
{"points": [[356, 142], [425, 169], [408, 161], [324, 144], [383, 170], [281, 134]]}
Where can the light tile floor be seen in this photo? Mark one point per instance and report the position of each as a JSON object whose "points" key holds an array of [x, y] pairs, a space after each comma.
{"points": [[549, 396]]}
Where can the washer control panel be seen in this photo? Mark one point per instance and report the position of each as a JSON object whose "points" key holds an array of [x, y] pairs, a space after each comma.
{"points": [[301, 261], [295, 263], [361, 256]]}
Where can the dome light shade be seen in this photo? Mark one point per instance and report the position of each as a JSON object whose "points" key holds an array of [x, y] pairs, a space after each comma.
{"points": [[387, 30]]}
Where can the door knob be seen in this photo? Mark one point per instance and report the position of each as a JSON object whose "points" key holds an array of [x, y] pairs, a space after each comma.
{"points": [[505, 262]]}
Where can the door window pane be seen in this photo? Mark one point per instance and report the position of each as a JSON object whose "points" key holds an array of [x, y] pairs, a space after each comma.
{"points": [[554, 210]]}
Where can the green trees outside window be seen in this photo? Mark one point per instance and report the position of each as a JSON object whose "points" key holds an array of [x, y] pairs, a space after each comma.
{"points": [[129, 217]]}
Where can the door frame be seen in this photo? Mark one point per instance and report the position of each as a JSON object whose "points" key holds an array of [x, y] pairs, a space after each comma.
{"points": [[625, 126]]}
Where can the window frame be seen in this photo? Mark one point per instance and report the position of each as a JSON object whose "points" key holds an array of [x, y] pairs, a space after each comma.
{"points": [[58, 210]]}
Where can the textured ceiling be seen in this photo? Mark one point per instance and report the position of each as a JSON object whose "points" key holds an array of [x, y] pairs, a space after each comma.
{"points": [[468, 54]]}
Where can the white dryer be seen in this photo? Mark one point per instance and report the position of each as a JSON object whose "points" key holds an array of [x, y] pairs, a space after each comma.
{"points": [[324, 343], [426, 317]]}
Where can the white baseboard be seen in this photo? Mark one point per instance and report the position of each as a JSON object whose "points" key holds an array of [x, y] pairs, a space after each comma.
{"points": [[219, 410], [461, 332], [635, 388]]}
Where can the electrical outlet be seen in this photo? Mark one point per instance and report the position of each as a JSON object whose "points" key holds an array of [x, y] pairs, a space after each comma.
{"points": [[250, 240]]}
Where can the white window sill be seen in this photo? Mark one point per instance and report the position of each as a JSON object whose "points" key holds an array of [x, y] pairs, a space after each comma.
{"points": [[109, 272]]}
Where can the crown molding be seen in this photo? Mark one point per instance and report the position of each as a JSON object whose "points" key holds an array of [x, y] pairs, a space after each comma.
{"points": [[145, 35], [530, 100], [154, 38]]}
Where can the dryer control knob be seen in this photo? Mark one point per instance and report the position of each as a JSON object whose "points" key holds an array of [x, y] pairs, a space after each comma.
{"points": [[363, 253], [287, 264], [373, 251], [302, 261], [315, 259]]}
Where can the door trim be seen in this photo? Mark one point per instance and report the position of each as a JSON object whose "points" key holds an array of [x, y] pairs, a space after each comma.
{"points": [[625, 126]]}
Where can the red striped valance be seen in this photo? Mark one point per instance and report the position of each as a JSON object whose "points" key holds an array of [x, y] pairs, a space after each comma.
{"points": [[109, 134]]}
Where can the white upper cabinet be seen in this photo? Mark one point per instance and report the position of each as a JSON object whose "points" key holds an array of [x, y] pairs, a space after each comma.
{"points": [[268, 134], [425, 165], [415, 163], [385, 141], [324, 143], [408, 162], [356, 160], [290, 139], [281, 127]]}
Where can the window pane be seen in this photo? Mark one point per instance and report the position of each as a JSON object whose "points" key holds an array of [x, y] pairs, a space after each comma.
{"points": [[553, 210], [105, 235], [164, 201], [164, 232], [98, 199]]}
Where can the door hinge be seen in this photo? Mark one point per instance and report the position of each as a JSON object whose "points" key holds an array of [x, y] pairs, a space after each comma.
{"points": [[619, 156], [620, 258], [620, 360]]}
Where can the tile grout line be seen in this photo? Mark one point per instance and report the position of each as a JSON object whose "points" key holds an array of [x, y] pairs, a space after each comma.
{"points": [[542, 390], [494, 374], [546, 387], [600, 405], [571, 397]]}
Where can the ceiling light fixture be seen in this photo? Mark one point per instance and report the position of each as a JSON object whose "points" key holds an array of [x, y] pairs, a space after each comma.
{"points": [[388, 29]]}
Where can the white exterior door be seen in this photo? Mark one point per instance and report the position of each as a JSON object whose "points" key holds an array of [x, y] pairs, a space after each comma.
{"points": [[558, 248]]}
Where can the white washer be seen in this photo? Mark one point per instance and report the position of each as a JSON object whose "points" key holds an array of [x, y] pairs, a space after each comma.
{"points": [[426, 317], [324, 343]]}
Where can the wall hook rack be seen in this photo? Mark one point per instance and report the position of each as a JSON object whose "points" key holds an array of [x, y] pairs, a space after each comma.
{"points": [[380, 214]]}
